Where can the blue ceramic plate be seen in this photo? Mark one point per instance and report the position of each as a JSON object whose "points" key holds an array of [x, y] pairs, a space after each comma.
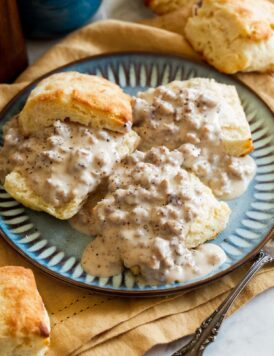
{"points": [[56, 248]]}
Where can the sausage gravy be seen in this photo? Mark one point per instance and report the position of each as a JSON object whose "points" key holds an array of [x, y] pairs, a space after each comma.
{"points": [[60, 162], [145, 220], [188, 119]]}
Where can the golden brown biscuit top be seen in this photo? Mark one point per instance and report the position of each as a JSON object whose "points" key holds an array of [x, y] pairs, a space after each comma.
{"points": [[83, 98], [90, 90], [162, 7], [22, 312], [254, 19]]}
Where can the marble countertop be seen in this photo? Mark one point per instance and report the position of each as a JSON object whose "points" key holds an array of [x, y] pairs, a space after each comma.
{"points": [[249, 332]]}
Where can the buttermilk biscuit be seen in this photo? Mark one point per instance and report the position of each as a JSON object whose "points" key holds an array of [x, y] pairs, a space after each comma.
{"points": [[235, 130], [24, 322], [204, 228], [150, 111], [234, 35], [162, 7], [72, 130], [152, 212], [86, 99], [17, 184]]}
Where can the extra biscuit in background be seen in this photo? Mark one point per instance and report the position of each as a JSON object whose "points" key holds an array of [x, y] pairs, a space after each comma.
{"points": [[24, 322], [162, 7], [234, 35]]}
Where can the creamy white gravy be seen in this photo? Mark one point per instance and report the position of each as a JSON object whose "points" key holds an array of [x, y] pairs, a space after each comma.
{"points": [[144, 221], [61, 162], [188, 119], [84, 220]]}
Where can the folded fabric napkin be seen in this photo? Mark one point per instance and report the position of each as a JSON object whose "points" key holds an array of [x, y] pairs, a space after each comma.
{"points": [[84, 323]]}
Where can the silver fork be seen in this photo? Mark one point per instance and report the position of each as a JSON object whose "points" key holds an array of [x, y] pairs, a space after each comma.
{"points": [[209, 328]]}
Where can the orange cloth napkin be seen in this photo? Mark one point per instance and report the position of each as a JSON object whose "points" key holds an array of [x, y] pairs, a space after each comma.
{"points": [[84, 323]]}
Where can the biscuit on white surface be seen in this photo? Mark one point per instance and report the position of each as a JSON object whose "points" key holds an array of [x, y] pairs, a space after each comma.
{"points": [[24, 322], [87, 99], [234, 35]]}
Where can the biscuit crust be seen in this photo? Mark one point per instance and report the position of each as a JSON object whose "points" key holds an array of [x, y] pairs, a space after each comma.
{"points": [[86, 99], [24, 322], [234, 35], [236, 134], [162, 7]]}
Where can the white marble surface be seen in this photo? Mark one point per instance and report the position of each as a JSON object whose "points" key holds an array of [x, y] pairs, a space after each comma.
{"points": [[249, 332]]}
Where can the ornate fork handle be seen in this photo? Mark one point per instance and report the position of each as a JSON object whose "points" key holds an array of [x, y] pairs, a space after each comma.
{"points": [[209, 328]]}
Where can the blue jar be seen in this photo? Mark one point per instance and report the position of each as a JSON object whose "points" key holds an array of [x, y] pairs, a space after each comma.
{"points": [[52, 18]]}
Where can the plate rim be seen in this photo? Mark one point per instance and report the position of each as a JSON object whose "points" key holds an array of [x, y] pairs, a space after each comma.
{"points": [[120, 292]]}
